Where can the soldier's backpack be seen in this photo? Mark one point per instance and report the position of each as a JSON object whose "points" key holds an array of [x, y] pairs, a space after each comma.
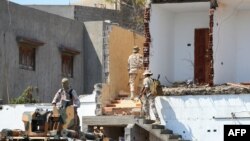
{"points": [[156, 88]]}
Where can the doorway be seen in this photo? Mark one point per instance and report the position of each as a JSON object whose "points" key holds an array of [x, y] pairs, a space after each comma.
{"points": [[201, 58]]}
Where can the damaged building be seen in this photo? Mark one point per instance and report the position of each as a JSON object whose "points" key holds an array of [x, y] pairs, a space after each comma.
{"points": [[198, 47]]}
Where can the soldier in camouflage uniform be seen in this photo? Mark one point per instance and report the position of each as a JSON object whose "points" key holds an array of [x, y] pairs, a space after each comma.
{"points": [[135, 61], [149, 97]]}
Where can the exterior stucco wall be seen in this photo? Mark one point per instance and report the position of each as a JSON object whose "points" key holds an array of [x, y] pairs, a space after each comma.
{"points": [[225, 45], [80, 13], [242, 46], [8, 121], [172, 31], [162, 49], [94, 3], [231, 43], [185, 25], [93, 57], [202, 117], [50, 29], [66, 11]]}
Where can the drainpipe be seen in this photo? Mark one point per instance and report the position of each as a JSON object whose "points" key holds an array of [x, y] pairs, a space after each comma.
{"points": [[146, 44], [209, 52]]}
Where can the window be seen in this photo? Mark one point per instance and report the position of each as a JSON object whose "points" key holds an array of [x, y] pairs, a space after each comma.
{"points": [[67, 65], [68, 55], [27, 52], [27, 58]]}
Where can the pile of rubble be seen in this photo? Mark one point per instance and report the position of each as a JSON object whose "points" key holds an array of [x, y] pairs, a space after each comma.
{"points": [[183, 88]]}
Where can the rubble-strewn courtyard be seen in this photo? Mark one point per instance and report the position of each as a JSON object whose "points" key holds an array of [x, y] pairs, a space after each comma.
{"points": [[183, 88]]}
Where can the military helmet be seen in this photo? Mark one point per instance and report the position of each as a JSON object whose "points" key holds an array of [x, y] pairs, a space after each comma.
{"points": [[136, 49]]}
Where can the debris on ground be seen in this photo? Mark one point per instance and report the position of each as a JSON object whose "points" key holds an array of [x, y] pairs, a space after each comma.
{"points": [[183, 88]]}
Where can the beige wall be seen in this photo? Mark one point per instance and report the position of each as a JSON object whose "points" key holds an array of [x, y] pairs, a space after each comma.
{"points": [[121, 42]]}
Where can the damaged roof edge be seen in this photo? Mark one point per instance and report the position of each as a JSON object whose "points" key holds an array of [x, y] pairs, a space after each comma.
{"points": [[178, 1]]}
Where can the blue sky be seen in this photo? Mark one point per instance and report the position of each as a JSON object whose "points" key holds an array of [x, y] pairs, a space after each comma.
{"points": [[43, 2]]}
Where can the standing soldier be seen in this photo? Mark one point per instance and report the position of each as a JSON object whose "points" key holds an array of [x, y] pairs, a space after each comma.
{"points": [[135, 61], [148, 96]]}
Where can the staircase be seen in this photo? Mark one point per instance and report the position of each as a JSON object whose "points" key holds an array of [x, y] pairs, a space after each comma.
{"points": [[159, 131], [122, 105]]}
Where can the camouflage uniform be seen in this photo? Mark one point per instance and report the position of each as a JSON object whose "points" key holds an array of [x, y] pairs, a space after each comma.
{"points": [[149, 99], [135, 61]]}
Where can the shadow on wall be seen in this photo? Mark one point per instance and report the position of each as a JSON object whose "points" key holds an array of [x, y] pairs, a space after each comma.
{"points": [[92, 64], [168, 115]]}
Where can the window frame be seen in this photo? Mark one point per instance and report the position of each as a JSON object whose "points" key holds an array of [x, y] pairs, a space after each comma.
{"points": [[67, 67], [70, 53], [27, 52], [27, 58]]}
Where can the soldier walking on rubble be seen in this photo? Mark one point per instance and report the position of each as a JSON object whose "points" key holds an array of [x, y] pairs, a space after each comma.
{"points": [[135, 61], [67, 94], [149, 97]]}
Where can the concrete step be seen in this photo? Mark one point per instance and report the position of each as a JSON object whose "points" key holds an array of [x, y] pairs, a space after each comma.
{"points": [[128, 103], [156, 126], [166, 131], [174, 136], [148, 121], [120, 111], [115, 101], [122, 94], [159, 131], [111, 105]]}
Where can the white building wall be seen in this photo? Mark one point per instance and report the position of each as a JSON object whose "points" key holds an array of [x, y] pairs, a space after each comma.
{"points": [[171, 31], [225, 45], [11, 115], [172, 28], [162, 49], [243, 46], [231, 42], [202, 117], [185, 25]]}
